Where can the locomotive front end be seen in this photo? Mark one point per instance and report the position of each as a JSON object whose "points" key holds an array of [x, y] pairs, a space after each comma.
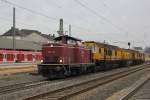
{"points": [[53, 60]]}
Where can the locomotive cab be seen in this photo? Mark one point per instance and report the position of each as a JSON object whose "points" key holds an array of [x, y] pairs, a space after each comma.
{"points": [[67, 40], [61, 51]]}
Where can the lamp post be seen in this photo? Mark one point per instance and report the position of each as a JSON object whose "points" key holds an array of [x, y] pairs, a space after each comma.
{"points": [[14, 33]]}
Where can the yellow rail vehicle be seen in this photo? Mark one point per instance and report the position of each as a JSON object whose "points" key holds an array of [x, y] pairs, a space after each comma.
{"points": [[107, 56]]}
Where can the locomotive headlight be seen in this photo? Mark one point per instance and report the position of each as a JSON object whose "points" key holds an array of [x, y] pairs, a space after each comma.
{"points": [[41, 61], [51, 45], [60, 60]]}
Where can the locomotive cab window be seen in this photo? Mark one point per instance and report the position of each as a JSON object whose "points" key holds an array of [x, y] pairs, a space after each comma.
{"points": [[71, 42], [29, 55]]}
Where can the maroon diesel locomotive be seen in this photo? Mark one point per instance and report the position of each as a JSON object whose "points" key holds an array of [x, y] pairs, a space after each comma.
{"points": [[64, 58]]}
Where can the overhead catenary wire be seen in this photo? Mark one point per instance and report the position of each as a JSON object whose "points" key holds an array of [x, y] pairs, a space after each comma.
{"points": [[24, 24], [100, 16], [104, 4], [42, 14], [30, 10], [49, 17]]}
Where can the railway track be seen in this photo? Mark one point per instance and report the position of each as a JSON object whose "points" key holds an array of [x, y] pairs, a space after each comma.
{"points": [[27, 85], [21, 86], [133, 90], [67, 92], [129, 92]]}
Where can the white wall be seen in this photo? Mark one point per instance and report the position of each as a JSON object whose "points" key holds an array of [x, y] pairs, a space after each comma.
{"points": [[10, 37], [36, 38]]}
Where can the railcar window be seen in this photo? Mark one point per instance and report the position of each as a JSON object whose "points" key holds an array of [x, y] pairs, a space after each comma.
{"points": [[93, 48], [109, 52], [20, 55], [99, 50], [1, 55], [33, 56], [10, 56], [115, 53], [105, 51], [29, 55]]}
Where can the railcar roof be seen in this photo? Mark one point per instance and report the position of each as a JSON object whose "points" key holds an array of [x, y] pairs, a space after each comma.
{"points": [[133, 50], [103, 44]]}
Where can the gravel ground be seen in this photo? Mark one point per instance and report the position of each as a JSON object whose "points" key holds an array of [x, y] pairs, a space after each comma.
{"points": [[57, 84], [10, 70], [143, 93], [19, 78], [105, 91]]}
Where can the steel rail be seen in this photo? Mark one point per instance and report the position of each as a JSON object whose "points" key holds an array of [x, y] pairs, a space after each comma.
{"points": [[67, 92], [21, 86]]}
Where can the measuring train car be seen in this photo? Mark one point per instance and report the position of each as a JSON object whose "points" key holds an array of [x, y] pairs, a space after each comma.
{"points": [[107, 56]]}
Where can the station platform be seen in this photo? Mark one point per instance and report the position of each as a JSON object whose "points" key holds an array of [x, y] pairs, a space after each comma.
{"points": [[15, 68], [15, 64]]}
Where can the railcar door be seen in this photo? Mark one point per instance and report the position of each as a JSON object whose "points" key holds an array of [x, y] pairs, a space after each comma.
{"points": [[29, 57], [1, 57], [20, 56], [105, 54], [10, 56], [38, 56]]}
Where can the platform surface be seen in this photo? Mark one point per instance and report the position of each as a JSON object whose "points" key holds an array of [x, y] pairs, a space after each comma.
{"points": [[15, 68]]}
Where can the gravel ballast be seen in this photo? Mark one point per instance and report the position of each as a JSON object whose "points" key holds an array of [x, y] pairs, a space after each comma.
{"points": [[56, 85], [107, 90]]}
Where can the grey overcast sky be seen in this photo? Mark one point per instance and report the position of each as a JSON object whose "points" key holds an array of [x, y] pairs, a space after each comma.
{"points": [[116, 21]]}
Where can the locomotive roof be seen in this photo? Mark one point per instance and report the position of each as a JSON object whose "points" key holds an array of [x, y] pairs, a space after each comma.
{"points": [[67, 37]]}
